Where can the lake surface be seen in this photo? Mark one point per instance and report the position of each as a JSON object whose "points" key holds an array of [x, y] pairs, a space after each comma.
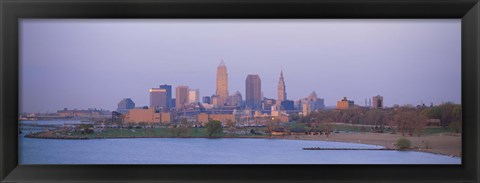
{"points": [[211, 151]]}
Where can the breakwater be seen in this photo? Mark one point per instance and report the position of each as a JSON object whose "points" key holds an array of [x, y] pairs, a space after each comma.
{"points": [[321, 148]]}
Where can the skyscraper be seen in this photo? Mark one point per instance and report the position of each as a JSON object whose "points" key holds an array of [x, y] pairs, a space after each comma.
{"points": [[253, 93], [193, 96], [282, 94], [158, 98], [222, 83], [169, 94], [181, 97]]}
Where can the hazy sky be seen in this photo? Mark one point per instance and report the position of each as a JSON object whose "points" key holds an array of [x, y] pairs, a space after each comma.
{"points": [[95, 63]]}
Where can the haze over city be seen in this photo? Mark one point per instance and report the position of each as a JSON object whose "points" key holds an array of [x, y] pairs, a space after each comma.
{"points": [[96, 63]]}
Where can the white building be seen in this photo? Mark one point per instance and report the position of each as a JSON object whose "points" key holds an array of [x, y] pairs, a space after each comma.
{"points": [[193, 96]]}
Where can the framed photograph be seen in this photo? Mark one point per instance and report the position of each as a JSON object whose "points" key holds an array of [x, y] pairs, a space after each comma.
{"points": [[377, 91]]}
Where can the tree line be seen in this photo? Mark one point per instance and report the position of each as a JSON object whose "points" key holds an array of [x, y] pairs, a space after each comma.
{"points": [[405, 119]]}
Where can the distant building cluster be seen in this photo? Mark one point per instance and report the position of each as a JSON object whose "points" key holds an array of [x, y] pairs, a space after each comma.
{"points": [[174, 104], [252, 108], [89, 113]]}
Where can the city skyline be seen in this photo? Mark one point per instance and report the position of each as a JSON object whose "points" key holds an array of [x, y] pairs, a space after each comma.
{"points": [[50, 75]]}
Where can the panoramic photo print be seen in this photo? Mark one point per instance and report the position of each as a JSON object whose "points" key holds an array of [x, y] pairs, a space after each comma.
{"points": [[185, 91]]}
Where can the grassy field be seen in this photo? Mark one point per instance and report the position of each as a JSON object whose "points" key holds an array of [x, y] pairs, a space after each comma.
{"points": [[434, 130], [157, 132], [202, 132]]}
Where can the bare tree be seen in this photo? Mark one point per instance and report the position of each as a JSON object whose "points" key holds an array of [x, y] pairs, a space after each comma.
{"points": [[408, 120]]}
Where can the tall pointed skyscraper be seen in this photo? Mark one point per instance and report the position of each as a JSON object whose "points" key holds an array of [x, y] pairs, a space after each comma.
{"points": [[282, 94], [222, 83]]}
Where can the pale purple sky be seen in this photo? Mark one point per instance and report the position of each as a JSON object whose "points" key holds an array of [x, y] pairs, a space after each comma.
{"points": [[96, 63]]}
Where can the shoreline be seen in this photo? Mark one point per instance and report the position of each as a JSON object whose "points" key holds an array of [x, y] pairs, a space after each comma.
{"points": [[440, 144]]}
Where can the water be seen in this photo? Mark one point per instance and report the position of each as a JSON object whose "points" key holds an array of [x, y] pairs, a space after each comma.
{"points": [[211, 151]]}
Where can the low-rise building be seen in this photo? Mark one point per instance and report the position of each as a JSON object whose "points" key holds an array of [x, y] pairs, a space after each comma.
{"points": [[147, 115], [280, 118], [433, 122], [345, 103], [166, 117], [204, 118], [377, 102], [90, 113]]}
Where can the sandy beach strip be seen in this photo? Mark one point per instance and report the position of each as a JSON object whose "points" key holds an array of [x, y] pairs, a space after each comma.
{"points": [[442, 143]]}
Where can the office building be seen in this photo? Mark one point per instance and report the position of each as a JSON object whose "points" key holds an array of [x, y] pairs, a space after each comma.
{"points": [[253, 91], [288, 105], [235, 99], [193, 96], [344, 103], [170, 104], [158, 99], [124, 105], [214, 100], [222, 84], [306, 109], [377, 102], [206, 100], [268, 103], [317, 103], [181, 97]]}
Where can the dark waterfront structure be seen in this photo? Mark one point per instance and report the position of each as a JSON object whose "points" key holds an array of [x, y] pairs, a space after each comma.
{"points": [[169, 94], [124, 105], [253, 92]]}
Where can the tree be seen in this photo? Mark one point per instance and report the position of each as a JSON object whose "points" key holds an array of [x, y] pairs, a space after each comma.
{"points": [[403, 143], [271, 125], [294, 117], [446, 112], [457, 119], [376, 117], [184, 122], [409, 120], [183, 129], [86, 128], [231, 126], [214, 127]]}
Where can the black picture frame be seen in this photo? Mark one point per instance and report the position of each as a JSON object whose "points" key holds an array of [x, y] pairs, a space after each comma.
{"points": [[12, 10]]}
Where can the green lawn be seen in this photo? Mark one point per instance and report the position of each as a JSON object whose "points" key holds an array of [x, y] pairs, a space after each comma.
{"points": [[434, 130], [202, 132], [155, 132]]}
